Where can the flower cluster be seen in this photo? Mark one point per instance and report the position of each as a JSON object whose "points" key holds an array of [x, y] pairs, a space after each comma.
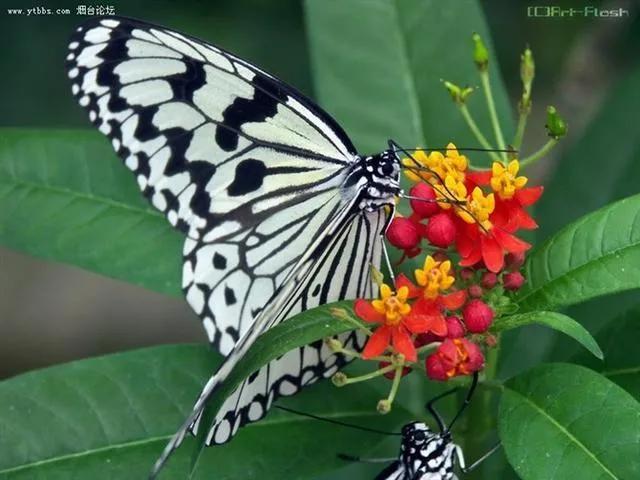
{"points": [[477, 213], [467, 220]]}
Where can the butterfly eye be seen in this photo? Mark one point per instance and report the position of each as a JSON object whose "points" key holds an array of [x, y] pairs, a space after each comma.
{"points": [[420, 435], [386, 169]]}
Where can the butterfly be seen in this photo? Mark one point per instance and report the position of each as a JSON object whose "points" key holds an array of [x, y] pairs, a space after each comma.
{"points": [[425, 454], [280, 212]]}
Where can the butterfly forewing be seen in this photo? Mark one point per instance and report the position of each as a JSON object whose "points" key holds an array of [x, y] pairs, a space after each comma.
{"points": [[229, 154]]}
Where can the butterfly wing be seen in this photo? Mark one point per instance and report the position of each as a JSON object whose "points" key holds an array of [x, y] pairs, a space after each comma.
{"points": [[395, 471], [227, 152]]}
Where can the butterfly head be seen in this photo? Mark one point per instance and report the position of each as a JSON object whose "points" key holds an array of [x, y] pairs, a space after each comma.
{"points": [[425, 453], [380, 175]]}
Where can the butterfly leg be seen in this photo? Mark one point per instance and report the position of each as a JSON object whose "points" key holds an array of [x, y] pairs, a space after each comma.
{"points": [[352, 458], [387, 260], [474, 465]]}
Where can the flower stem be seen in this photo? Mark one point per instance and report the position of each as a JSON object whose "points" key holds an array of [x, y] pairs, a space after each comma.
{"points": [[522, 125], [369, 376], [534, 157], [396, 383], [488, 94], [473, 126]]}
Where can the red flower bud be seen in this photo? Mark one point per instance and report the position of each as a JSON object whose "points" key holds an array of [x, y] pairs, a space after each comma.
{"points": [[513, 261], [441, 256], [491, 341], [427, 206], [478, 316], [454, 357], [403, 234], [392, 374], [513, 281], [455, 329], [466, 274], [423, 339], [441, 230], [475, 291], [489, 280]]}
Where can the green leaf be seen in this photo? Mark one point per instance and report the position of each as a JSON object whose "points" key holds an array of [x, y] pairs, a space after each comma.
{"points": [[110, 417], [597, 255], [66, 196], [561, 421], [619, 340], [378, 65], [557, 321]]}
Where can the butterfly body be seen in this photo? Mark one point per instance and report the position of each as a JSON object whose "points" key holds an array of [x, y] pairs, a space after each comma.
{"points": [[424, 455]]}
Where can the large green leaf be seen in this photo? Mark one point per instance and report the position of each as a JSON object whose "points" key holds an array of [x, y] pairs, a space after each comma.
{"points": [[378, 64], [619, 340], [557, 321], [562, 421], [597, 255], [65, 196], [110, 417]]}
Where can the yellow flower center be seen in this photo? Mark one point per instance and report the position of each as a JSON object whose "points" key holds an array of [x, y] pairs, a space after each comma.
{"points": [[451, 192], [505, 181], [393, 306], [434, 277], [435, 167], [478, 209]]}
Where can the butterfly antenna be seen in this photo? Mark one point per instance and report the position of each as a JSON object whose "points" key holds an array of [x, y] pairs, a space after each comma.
{"points": [[444, 429], [465, 149], [335, 422]]}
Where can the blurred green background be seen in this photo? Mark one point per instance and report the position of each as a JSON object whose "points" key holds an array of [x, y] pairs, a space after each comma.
{"points": [[588, 68]]}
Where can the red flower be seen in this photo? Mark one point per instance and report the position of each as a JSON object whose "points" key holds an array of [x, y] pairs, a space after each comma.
{"points": [[475, 244], [398, 321], [454, 357], [511, 213]]}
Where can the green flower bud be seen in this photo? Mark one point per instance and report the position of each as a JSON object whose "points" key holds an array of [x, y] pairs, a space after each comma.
{"points": [[556, 126], [384, 406], [480, 53], [458, 94], [527, 71], [334, 344], [339, 379]]}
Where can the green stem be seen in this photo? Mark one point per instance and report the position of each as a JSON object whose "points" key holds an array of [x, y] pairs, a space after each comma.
{"points": [[534, 157], [396, 383], [488, 94], [522, 125], [369, 376], [473, 126]]}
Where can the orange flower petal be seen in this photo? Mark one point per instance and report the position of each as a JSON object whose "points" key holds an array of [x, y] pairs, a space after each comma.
{"points": [[491, 252], [403, 344], [366, 312], [377, 343], [454, 300], [509, 242], [529, 196], [403, 281]]}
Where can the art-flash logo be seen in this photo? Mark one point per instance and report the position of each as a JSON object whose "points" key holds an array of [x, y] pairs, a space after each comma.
{"points": [[554, 11]]}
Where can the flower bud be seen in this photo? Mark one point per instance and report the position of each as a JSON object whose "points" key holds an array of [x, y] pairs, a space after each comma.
{"points": [[513, 281], [454, 357], [478, 316], [458, 94], [403, 234], [480, 53], [392, 374], [441, 230], [339, 379], [455, 329], [513, 261], [427, 206], [556, 126], [467, 274], [527, 71], [491, 341], [384, 406], [489, 280], [423, 339], [475, 291], [334, 344]]}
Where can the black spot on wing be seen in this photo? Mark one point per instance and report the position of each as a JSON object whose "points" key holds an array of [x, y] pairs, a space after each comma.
{"points": [[248, 110], [219, 262], [249, 177], [229, 296]]}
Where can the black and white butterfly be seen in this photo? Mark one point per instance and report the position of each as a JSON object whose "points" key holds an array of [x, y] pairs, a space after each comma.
{"points": [[425, 454], [280, 212]]}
